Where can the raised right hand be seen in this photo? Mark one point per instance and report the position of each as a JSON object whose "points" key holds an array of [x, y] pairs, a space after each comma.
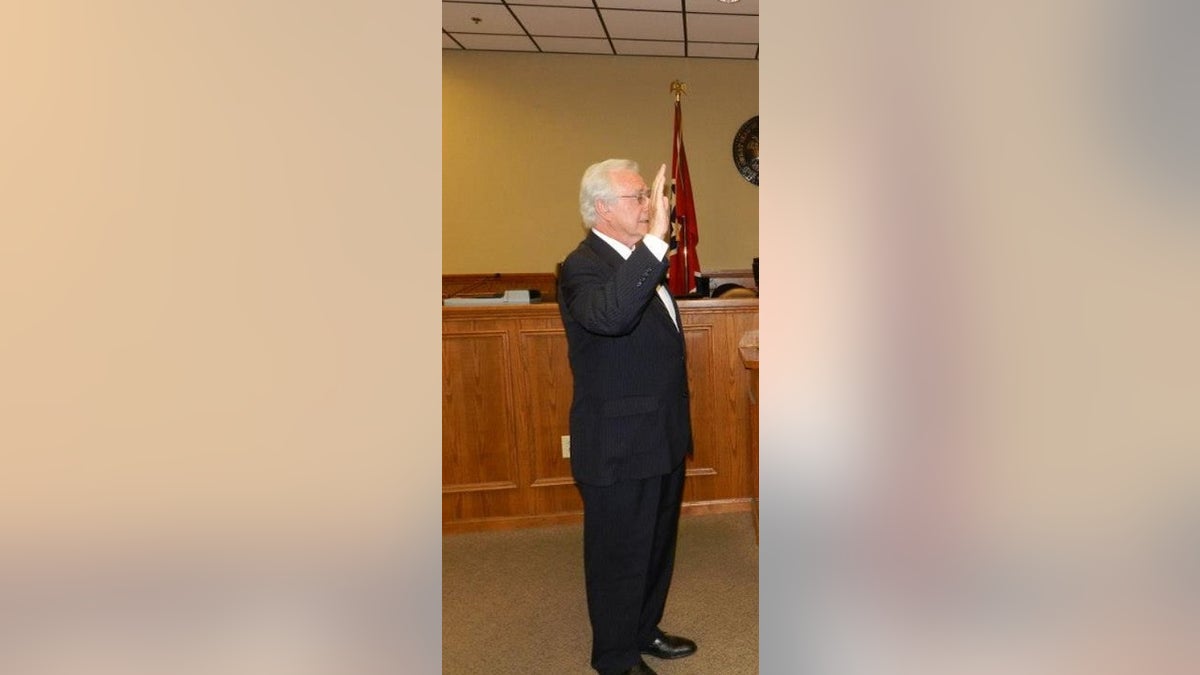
{"points": [[660, 206]]}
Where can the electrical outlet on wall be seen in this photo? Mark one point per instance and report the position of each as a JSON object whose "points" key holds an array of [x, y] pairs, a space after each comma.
{"points": [[566, 446]]}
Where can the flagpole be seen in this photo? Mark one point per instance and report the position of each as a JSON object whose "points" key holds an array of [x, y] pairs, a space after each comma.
{"points": [[679, 88]]}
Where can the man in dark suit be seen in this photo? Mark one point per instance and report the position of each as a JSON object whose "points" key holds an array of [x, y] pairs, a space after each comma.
{"points": [[630, 418]]}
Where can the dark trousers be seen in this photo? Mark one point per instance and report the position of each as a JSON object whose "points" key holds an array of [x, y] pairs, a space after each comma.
{"points": [[629, 531]]}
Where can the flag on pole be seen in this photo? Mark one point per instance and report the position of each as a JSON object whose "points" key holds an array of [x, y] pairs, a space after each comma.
{"points": [[684, 264]]}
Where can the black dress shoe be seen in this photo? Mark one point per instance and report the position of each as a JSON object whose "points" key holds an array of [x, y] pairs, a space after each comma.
{"points": [[640, 669], [670, 647]]}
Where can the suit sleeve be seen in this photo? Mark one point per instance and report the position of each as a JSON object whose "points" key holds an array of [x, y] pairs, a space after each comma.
{"points": [[610, 304]]}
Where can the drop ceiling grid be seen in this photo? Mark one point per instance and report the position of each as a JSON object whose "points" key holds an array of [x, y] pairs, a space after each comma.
{"points": [[701, 28]]}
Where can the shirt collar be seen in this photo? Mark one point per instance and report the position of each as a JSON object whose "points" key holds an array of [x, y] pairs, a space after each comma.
{"points": [[624, 250]]}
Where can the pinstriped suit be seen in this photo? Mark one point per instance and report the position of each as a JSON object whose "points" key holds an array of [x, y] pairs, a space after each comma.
{"points": [[630, 433]]}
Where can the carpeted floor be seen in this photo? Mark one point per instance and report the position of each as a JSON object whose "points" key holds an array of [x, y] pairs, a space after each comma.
{"points": [[513, 602]]}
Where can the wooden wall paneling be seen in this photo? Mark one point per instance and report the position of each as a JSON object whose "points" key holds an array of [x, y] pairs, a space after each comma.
{"points": [[480, 467], [506, 394], [736, 381], [546, 372], [739, 381], [703, 465], [719, 413]]}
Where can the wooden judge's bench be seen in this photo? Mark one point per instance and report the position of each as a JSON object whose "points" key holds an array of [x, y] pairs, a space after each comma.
{"points": [[506, 399]]}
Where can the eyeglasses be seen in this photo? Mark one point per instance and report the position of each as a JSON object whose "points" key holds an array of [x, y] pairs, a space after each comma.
{"points": [[643, 197]]}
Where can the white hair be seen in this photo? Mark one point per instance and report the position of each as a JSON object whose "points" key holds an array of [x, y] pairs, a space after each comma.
{"points": [[597, 184]]}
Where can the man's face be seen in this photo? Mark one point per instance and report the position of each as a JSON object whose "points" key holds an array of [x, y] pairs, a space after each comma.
{"points": [[628, 219]]}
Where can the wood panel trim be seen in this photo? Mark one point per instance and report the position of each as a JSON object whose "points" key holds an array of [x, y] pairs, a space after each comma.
{"points": [[474, 335], [567, 480], [469, 312], [479, 487], [467, 285], [511, 523], [544, 309], [553, 482], [734, 505]]}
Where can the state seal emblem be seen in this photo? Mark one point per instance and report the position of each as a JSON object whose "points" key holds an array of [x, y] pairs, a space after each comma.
{"points": [[745, 150]]}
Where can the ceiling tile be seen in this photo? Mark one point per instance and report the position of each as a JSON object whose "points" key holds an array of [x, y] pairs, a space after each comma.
{"points": [[560, 21], [665, 5], [511, 43], [714, 28], [643, 25], [552, 3], [570, 45], [457, 18], [725, 51], [743, 7], [449, 43], [648, 48]]}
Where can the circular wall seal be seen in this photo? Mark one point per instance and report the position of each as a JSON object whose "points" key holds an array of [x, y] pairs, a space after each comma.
{"points": [[745, 150]]}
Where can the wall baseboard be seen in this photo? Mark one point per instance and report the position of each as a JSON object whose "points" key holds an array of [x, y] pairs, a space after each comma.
{"points": [[741, 504]]}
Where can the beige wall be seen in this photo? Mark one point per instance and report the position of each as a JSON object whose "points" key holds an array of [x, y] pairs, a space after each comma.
{"points": [[519, 129]]}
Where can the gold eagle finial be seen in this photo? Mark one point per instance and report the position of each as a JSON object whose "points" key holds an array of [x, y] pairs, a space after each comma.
{"points": [[678, 88]]}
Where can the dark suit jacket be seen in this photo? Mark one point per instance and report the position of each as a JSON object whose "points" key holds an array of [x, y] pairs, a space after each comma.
{"points": [[630, 411]]}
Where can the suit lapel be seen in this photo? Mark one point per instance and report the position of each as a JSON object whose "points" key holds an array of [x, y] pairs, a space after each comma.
{"points": [[607, 253]]}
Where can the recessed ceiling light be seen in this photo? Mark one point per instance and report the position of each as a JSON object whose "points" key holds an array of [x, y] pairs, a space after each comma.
{"points": [[730, 2]]}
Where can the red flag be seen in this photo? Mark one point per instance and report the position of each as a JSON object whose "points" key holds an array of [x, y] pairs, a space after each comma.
{"points": [[685, 265]]}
